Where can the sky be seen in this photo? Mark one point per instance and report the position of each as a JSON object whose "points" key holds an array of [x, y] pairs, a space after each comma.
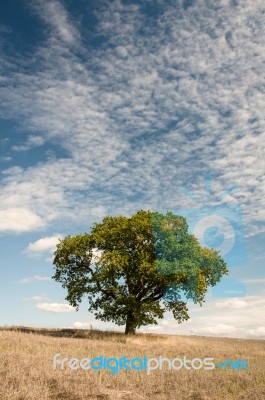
{"points": [[109, 107]]}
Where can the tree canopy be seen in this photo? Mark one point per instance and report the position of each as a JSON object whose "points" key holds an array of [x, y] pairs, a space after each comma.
{"points": [[134, 269]]}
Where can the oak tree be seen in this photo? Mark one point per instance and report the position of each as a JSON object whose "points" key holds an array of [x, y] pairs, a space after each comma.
{"points": [[134, 269]]}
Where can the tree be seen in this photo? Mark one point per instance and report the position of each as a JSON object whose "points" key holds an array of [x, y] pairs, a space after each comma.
{"points": [[134, 269]]}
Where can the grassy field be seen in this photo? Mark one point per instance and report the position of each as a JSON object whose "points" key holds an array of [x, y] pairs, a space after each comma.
{"points": [[26, 370]]}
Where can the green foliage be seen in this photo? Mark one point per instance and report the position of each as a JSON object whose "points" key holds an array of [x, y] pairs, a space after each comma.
{"points": [[139, 258]]}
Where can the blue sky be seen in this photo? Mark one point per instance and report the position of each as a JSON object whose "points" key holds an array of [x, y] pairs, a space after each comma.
{"points": [[109, 107]]}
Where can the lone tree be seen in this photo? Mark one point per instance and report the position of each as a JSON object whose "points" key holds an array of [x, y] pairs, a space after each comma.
{"points": [[133, 270]]}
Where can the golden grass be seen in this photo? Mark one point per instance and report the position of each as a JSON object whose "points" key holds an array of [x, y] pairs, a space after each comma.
{"points": [[26, 367]]}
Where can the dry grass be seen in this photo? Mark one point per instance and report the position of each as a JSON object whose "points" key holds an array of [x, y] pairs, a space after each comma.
{"points": [[26, 367]]}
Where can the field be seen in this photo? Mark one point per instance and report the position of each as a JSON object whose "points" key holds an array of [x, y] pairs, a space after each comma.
{"points": [[26, 370]]}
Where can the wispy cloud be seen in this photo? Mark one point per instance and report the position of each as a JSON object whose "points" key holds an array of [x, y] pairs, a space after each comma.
{"points": [[32, 141], [55, 15], [5, 28], [141, 115], [5, 159], [259, 281], [41, 297], [34, 278]]}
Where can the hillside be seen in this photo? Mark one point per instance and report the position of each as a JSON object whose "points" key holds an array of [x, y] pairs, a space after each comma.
{"points": [[26, 366]]}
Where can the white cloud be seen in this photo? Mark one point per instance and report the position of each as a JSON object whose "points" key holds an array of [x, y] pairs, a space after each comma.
{"points": [[96, 324], [153, 329], [19, 220], [30, 279], [257, 333], [55, 307], [45, 244], [224, 321], [231, 303], [220, 329], [84, 325]]}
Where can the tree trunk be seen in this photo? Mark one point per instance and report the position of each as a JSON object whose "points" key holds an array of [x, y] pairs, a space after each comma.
{"points": [[130, 324]]}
